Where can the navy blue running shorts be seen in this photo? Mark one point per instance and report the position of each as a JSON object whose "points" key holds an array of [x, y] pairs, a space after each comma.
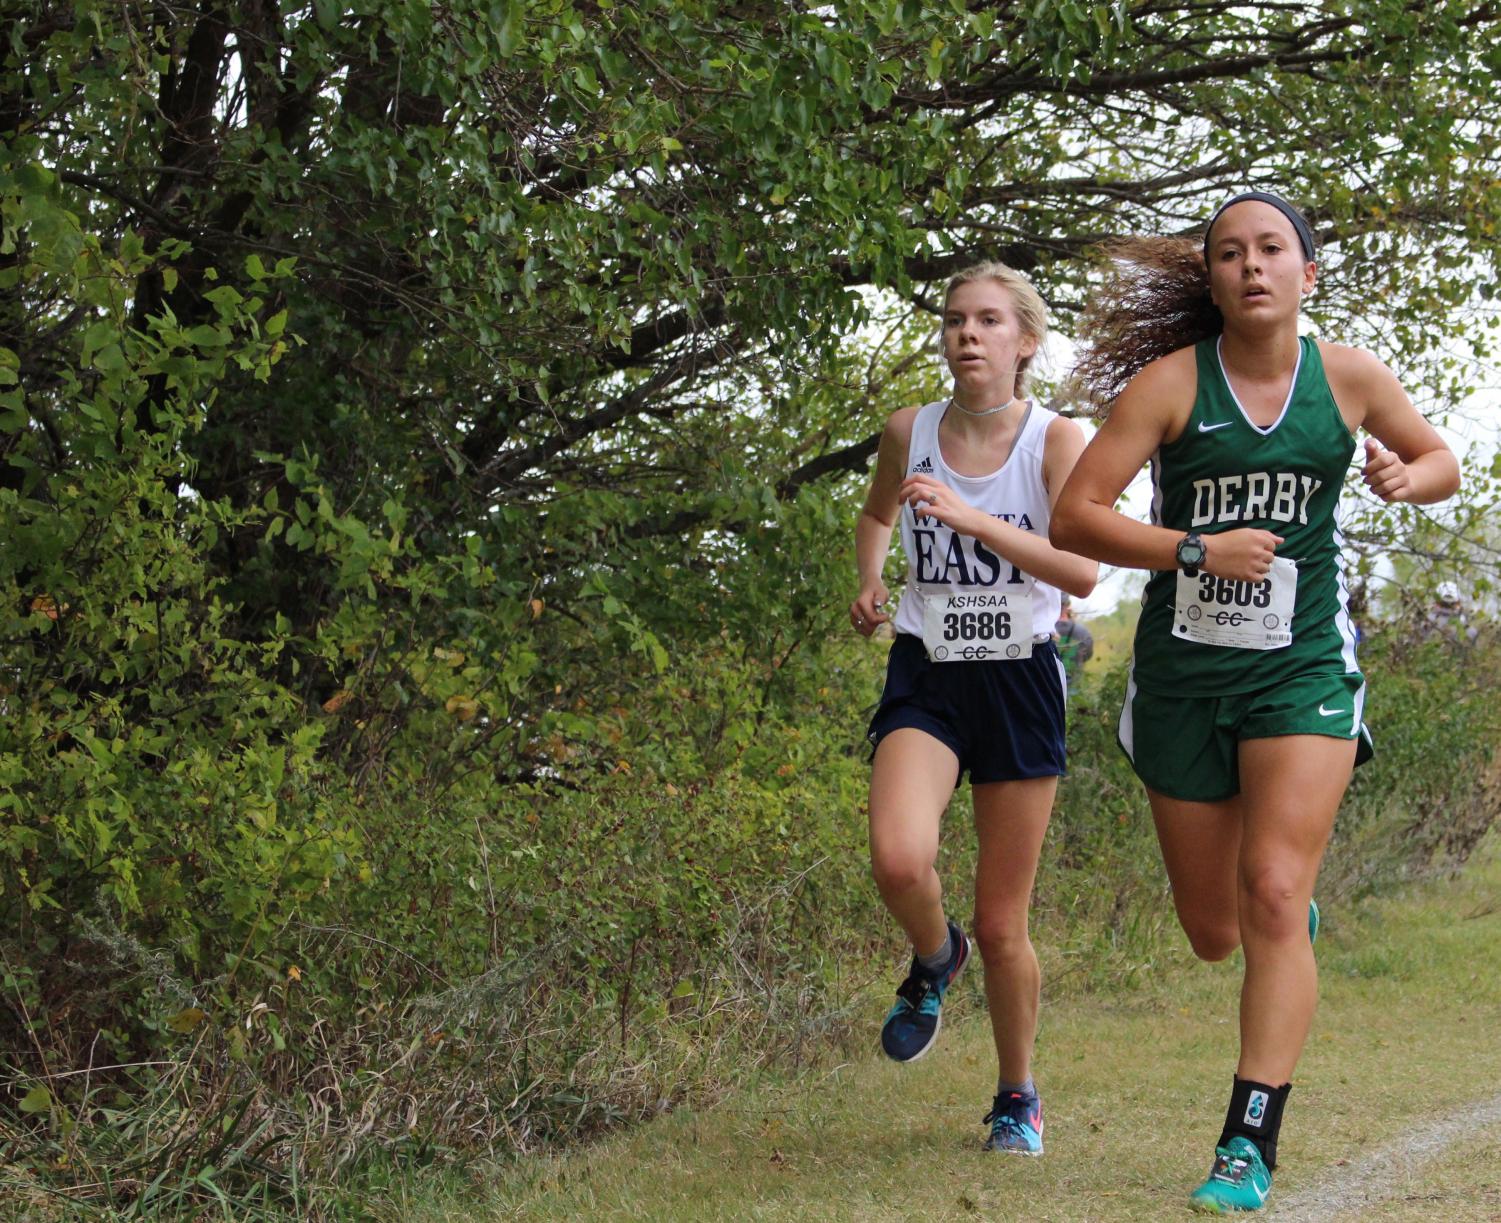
{"points": [[1003, 720]]}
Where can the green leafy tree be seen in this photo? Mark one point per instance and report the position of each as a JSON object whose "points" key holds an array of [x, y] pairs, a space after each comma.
{"points": [[411, 413]]}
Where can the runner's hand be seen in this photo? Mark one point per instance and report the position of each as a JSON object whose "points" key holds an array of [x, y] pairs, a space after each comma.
{"points": [[1243, 555], [927, 496], [1385, 474], [865, 611]]}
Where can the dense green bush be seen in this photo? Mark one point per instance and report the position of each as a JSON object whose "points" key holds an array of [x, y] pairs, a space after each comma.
{"points": [[333, 929], [428, 443], [1433, 788], [449, 964]]}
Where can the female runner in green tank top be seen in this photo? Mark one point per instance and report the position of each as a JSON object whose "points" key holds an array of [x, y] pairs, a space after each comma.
{"points": [[1243, 714]]}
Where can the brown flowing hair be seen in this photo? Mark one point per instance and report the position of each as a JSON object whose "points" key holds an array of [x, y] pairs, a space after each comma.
{"points": [[1155, 300]]}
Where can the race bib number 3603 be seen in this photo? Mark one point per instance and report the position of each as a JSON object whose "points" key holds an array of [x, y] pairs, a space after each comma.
{"points": [[1241, 615], [978, 627]]}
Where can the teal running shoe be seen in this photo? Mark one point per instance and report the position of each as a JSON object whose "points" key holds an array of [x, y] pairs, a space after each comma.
{"points": [[912, 1025], [1313, 921], [1238, 1181], [1015, 1122]]}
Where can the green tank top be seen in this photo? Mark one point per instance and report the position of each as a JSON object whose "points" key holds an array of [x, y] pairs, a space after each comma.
{"points": [[1225, 472]]}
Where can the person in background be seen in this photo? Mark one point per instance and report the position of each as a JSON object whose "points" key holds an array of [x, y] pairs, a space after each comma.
{"points": [[1075, 644], [1446, 618]]}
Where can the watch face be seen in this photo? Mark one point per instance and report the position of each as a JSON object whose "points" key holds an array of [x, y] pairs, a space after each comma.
{"points": [[1190, 553]]}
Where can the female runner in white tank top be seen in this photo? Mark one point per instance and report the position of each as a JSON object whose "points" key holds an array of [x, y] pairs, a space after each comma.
{"points": [[973, 681]]}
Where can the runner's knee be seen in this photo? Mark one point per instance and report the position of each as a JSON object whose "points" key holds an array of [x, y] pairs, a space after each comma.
{"points": [[1210, 922], [897, 871], [1002, 936], [1211, 936], [1273, 905]]}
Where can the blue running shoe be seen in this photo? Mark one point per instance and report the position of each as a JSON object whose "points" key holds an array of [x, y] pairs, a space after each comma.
{"points": [[912, 1026], [1238, 1181], [1015, 1122], [1313, 921]]}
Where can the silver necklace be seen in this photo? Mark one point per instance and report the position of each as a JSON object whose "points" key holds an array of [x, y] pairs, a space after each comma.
{"points": [[954, 403]]}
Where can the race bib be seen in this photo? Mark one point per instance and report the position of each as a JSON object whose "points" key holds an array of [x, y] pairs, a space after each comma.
{"points": [[1242, 615], [980, 627]]}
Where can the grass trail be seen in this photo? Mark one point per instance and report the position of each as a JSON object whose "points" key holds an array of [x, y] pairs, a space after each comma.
{"points": [[1395, 1115]]}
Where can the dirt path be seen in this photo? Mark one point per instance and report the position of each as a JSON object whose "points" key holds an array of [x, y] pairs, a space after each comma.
{"points": [[1394, 1172]]}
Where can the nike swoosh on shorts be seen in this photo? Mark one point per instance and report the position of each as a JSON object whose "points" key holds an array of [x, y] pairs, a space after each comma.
{"points": [[1329, 713]]}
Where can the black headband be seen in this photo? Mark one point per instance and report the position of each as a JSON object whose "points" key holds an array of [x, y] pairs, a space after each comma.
{"points": [[1305, 235]]}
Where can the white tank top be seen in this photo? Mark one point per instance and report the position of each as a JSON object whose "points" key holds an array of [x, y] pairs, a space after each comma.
{"points": [[941, 562]]}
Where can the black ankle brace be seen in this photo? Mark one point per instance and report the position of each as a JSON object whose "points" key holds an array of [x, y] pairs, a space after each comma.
{"points": [[1255, 1112]]}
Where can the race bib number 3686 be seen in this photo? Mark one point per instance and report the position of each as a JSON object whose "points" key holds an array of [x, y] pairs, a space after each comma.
{"points": [[978, 627], [1241, 615]]}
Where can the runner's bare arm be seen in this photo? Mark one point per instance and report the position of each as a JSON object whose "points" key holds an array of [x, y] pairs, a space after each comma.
{"points": [[1416, 466], [1153, 408], [1027, 550], [873, 527]]}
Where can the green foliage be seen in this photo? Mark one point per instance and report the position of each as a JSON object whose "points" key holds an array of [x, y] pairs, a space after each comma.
{"points": [[1101, 895], [523, 963], [1433, 789], [148, 758], [428, 439]]}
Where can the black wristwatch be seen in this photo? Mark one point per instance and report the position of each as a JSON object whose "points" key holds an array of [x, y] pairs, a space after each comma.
{"points": [[1191, 554]]}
